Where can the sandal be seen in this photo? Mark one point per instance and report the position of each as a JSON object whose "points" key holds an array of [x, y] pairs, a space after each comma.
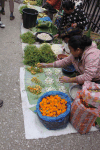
{"points": [[1, 103], [12, 17], [2, 25], [2, 12]]}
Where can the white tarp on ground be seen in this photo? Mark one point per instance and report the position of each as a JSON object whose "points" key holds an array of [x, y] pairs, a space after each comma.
{"points": [[33, 127]]}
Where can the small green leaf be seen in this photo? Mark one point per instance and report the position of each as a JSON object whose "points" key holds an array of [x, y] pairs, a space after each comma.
{"points": [[98, 121]]}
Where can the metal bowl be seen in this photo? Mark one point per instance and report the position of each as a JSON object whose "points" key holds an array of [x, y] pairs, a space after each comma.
{"points": [[79, 87], [40, 40]]}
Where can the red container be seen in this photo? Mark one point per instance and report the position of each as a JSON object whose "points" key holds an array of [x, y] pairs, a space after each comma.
{"points": [[61, 56]]}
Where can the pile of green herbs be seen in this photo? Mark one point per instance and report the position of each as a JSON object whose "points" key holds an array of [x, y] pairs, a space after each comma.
{"points": [[34, 55], [28, 37], [46, 53], [21, 8], [39, 2], [45, 26], [57, 41]]}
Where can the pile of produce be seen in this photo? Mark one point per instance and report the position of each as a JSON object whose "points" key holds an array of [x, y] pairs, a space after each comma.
{"points": [[40, 15], [39, 2], [31, 55], [34, 2], [28, 37], [35, 89], [36, 80], [34, 55], [31, 2], [53, 106], [21, 8], [44, 36], [47, 55], [35, 70]]}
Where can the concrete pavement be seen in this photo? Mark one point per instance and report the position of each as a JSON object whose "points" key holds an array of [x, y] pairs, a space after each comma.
{"points": [[12, 135]]}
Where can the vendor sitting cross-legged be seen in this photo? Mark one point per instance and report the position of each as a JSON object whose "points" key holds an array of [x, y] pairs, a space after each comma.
{"points": [[84, 56], [72, 22]]}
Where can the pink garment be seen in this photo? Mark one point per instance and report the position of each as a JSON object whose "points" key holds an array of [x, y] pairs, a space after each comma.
{"points": [[88, 66]]}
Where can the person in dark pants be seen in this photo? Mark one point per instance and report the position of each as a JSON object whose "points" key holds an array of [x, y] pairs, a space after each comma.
{"points": [[1, 24], [11, 6], [72, 22]]}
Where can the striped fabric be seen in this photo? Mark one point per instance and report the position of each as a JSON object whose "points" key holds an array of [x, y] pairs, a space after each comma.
{"points": [[82, 118]]}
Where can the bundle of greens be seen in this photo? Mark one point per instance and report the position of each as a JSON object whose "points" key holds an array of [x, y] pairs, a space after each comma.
{"points": [[35, 69], [21, 8], [31, 55], [45, 26], [28, 37], [39, 2], [46, 53]]}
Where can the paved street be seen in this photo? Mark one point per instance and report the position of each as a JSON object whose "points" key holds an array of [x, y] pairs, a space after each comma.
{"points": [[12, 133]]}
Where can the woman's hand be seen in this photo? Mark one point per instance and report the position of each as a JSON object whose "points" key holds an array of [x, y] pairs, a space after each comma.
{"points": [[56, 35], [41, 65], [64, 79]]}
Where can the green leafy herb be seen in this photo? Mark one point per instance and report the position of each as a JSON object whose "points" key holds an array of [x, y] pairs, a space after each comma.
{"points": [[28, 37], [39, 2], [47, 55], [31, 55], [21, 8], [57, 41]]}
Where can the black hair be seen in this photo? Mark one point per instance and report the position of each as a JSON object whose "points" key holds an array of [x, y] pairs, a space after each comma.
{"points": [[78, 41], [68, 5]]}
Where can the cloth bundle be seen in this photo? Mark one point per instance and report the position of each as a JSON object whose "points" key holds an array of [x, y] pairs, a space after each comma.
{"points": [[82, 118], [91, 97]]}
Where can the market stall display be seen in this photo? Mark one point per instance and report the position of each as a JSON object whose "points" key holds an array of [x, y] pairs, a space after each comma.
{"points": [[39, 81], [49, 81]]}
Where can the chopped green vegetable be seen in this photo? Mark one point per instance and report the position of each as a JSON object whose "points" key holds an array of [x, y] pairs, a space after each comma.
{"points": [[28, 37]]}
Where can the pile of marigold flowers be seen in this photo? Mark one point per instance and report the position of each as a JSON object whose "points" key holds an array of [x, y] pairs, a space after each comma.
{"points": [[35, 89], [34, 79], [52, 106], [35, 70]]}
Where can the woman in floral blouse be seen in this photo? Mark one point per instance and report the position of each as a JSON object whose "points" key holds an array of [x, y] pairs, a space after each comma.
{"points": [[72, 22]]}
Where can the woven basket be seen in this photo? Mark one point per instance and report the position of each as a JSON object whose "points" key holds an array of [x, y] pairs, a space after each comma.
{"points": [[93, 35], [54, 123]]}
